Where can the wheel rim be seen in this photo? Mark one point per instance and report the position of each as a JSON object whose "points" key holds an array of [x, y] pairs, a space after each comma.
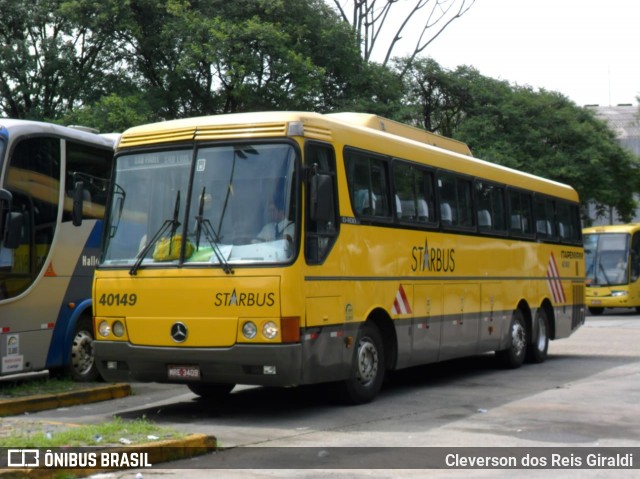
{"points": [[542, 334], [518, 338], [82, 353], [367, 362]]}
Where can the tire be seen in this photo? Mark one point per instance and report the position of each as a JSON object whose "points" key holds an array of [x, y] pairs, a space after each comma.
{"points": [[367, 368], [513, 356], [596, 311], [539, 345], [82, 367], [211, 391]]}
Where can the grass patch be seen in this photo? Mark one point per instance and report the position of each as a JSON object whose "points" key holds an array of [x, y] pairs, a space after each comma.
{"points": [[32, 387], [117, 432]]}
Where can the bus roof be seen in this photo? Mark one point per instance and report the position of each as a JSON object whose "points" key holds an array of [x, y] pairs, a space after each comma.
{"points": [[13, 127], [353, 129], [626, 228]]}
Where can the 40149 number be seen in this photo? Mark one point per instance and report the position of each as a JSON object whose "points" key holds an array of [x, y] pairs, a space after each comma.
{"points": [[118, 299]]}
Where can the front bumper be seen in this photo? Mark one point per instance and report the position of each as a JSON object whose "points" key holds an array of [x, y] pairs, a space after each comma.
{"points": [[264, 365]]}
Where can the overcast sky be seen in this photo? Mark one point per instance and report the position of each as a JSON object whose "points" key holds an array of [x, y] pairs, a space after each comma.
{"points": [[589, 50]]}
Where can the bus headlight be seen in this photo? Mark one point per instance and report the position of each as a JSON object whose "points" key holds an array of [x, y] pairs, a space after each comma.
{"points": [[618, 293], [104, 329], [249, 330], [269, 330], [118, 329]]}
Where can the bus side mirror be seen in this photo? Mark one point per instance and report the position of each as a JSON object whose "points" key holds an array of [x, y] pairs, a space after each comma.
{"points": [[321, 198], [78, 203], [10, 222], [5, 208], [13, 230]]}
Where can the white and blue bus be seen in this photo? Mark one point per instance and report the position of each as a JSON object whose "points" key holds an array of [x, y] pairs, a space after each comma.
{"points": [[53, 187]]}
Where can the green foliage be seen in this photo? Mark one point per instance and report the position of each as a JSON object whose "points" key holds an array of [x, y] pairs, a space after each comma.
{"points": [[112, 64], [539, 132], [53, 56]]}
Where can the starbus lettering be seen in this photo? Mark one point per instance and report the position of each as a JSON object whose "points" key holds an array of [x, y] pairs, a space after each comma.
{"points": [[240, 298], [433, 260]]}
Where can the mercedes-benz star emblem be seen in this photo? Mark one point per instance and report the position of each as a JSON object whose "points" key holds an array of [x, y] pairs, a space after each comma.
{"points": [[179, 332]]}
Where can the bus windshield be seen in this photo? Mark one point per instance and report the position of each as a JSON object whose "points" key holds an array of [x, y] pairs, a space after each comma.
{"points": [[233, 203], [606, 258]]}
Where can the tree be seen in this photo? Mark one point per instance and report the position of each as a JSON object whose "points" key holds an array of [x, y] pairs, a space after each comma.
{"points": [[53, 56], [540, 132], [380, 25], [219, 56]]}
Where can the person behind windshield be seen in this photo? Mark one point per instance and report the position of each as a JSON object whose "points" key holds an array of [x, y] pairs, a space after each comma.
{"points": [[278, 227]]}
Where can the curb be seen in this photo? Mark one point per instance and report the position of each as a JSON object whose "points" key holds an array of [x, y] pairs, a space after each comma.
{"points": [[15, 406], [157, 452]]}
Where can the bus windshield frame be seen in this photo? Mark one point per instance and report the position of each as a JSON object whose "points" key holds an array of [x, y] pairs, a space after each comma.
{"points": [[235, 204], [606, 259]]}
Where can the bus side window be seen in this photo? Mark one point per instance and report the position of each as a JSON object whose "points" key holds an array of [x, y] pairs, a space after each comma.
{"points": [[90, 166], [456, 205], [368, 184], [415, 197], [33, 179], [520, 211]]}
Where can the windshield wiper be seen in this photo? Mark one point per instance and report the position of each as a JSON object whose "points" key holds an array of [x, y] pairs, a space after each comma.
{"points": [[604, 274], [173, 223], [203, 223]]}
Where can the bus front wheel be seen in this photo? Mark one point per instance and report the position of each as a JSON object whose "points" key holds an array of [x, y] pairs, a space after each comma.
{"points": [[513, 356], [82, 367], [367, 367]]}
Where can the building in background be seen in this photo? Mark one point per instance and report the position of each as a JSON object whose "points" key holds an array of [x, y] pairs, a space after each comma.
{"points": [[624, 120]]}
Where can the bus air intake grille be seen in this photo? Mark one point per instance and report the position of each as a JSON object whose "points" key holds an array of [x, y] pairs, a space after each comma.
{"points": [[178, 134], [241, 131], [318, 133]]}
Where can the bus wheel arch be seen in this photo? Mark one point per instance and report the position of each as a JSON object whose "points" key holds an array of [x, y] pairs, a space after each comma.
{"points": [[385, 325], [369, 361]]}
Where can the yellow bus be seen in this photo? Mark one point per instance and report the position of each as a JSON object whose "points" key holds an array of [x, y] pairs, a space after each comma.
{"points": [[291, 248], [612, 257]]}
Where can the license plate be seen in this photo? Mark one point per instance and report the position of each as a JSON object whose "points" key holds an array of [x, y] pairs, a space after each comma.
{"points": [[596, 301], [183, 372]]}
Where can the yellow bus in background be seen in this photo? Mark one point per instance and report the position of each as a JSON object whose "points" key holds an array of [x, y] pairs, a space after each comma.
{"points": [[612, 257], [290, 248]]}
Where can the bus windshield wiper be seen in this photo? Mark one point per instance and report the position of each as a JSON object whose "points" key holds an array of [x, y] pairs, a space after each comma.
{"points": [[173, 223], [604, 273], [203, 224]]}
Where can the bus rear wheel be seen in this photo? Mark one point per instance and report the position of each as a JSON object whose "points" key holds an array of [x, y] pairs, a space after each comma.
{"points": [[82, 367], [211, 391], [367, 368], [513, 356], [539, 345]]}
